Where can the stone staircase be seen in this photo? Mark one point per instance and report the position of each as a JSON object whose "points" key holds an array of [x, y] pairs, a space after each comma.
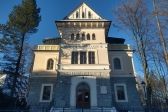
{"points": [[83, 110]]}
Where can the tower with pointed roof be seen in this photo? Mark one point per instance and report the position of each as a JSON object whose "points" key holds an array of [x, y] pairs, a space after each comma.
{"points": [[83, 68]]}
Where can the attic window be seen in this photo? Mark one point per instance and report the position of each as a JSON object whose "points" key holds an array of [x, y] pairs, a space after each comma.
{"points": [[77, 15], [89, 15], [83, 15]]}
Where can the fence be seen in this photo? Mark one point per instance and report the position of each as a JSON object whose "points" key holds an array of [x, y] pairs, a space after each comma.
{"points": [[46, 109]]}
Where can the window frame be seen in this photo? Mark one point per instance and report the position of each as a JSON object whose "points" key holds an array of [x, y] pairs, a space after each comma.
{"points": [[83, 58], [86, 58], [88, 36], [83, 36], [93, 36], [77, 36], [89, 15], [42, 91], [125, 92], [77, 14], [121, 63], [49, 64], [73, 58], [83, 14], [90, 60], [72, 36]]}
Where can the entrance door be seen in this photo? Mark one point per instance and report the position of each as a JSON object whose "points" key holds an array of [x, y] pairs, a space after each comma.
{"points": [[83, 96]]}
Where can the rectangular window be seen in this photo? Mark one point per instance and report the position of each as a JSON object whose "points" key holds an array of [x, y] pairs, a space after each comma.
{"points": [[82, 57], [91, 57], [74, 59], [120, 91], [46, 92]]}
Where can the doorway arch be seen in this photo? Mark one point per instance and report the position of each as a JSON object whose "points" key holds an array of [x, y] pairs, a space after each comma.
{"points": [[82, 95]]}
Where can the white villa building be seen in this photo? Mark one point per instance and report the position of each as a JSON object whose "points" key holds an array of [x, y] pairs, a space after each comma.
{"points": [[83, 68]]}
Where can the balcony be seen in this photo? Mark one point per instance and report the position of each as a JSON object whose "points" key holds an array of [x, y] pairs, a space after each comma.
{"points": [[47, 47]]}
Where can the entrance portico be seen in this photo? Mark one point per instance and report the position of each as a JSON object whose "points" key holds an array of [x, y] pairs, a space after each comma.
{"points": [[83, 93]]}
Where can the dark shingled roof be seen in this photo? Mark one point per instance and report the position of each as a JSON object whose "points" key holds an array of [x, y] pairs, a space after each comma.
{"points": [[114, 40], [52, 41]]}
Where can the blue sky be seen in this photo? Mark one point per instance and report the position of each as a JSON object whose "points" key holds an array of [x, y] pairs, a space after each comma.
{"points": [[52, 10]]}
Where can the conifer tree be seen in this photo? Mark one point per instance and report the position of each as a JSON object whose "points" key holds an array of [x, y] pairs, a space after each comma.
{"points": [[23, 20]]}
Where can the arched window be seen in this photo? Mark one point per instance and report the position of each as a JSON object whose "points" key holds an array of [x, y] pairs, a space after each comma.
{"points": [[89, 14], [88, 36], [83, 36], [93, 37], [77, 14], [83, 15], [117, 63], [72, 37], [50, 64], [78, 36]]}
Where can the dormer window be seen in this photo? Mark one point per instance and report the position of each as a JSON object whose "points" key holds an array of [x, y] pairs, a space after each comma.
{"points": [[77, 15], [88, 36], [93, 37], [83, 15], [89, 15]]}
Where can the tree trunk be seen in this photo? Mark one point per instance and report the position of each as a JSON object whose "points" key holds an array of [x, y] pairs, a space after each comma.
{"points": [[16, 74], [162, 40]]}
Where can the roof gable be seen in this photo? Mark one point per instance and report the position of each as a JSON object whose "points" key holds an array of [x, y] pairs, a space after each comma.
{"points": [[83, 12]]}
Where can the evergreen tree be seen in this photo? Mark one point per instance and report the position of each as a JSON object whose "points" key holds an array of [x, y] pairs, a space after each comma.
{"points": [[23, 20]]}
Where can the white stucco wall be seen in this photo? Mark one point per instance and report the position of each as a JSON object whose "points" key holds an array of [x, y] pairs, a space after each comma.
{"points": [[101, 57], [40, 60], [126, 63], [99, 34]]}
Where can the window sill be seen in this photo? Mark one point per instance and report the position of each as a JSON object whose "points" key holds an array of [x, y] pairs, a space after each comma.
{"points": [[45, 101], [121, 101]]}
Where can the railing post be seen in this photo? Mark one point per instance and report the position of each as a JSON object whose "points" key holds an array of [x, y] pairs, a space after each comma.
{"points": [[101, 109], [63, 109]]}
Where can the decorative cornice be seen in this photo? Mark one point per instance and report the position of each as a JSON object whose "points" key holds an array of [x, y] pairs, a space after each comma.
{"points": [[85, 46], [122, 76], [47, 48], [86, 73]]}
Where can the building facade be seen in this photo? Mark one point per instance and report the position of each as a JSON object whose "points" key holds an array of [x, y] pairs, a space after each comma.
{"points": [[83, 68]]}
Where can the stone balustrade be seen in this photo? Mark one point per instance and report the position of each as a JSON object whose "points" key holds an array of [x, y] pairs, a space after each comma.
{"points": [[47, 47]]}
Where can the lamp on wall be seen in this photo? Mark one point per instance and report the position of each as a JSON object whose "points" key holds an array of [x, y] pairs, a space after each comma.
{"points": [[145, 95], [144, 89]]}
